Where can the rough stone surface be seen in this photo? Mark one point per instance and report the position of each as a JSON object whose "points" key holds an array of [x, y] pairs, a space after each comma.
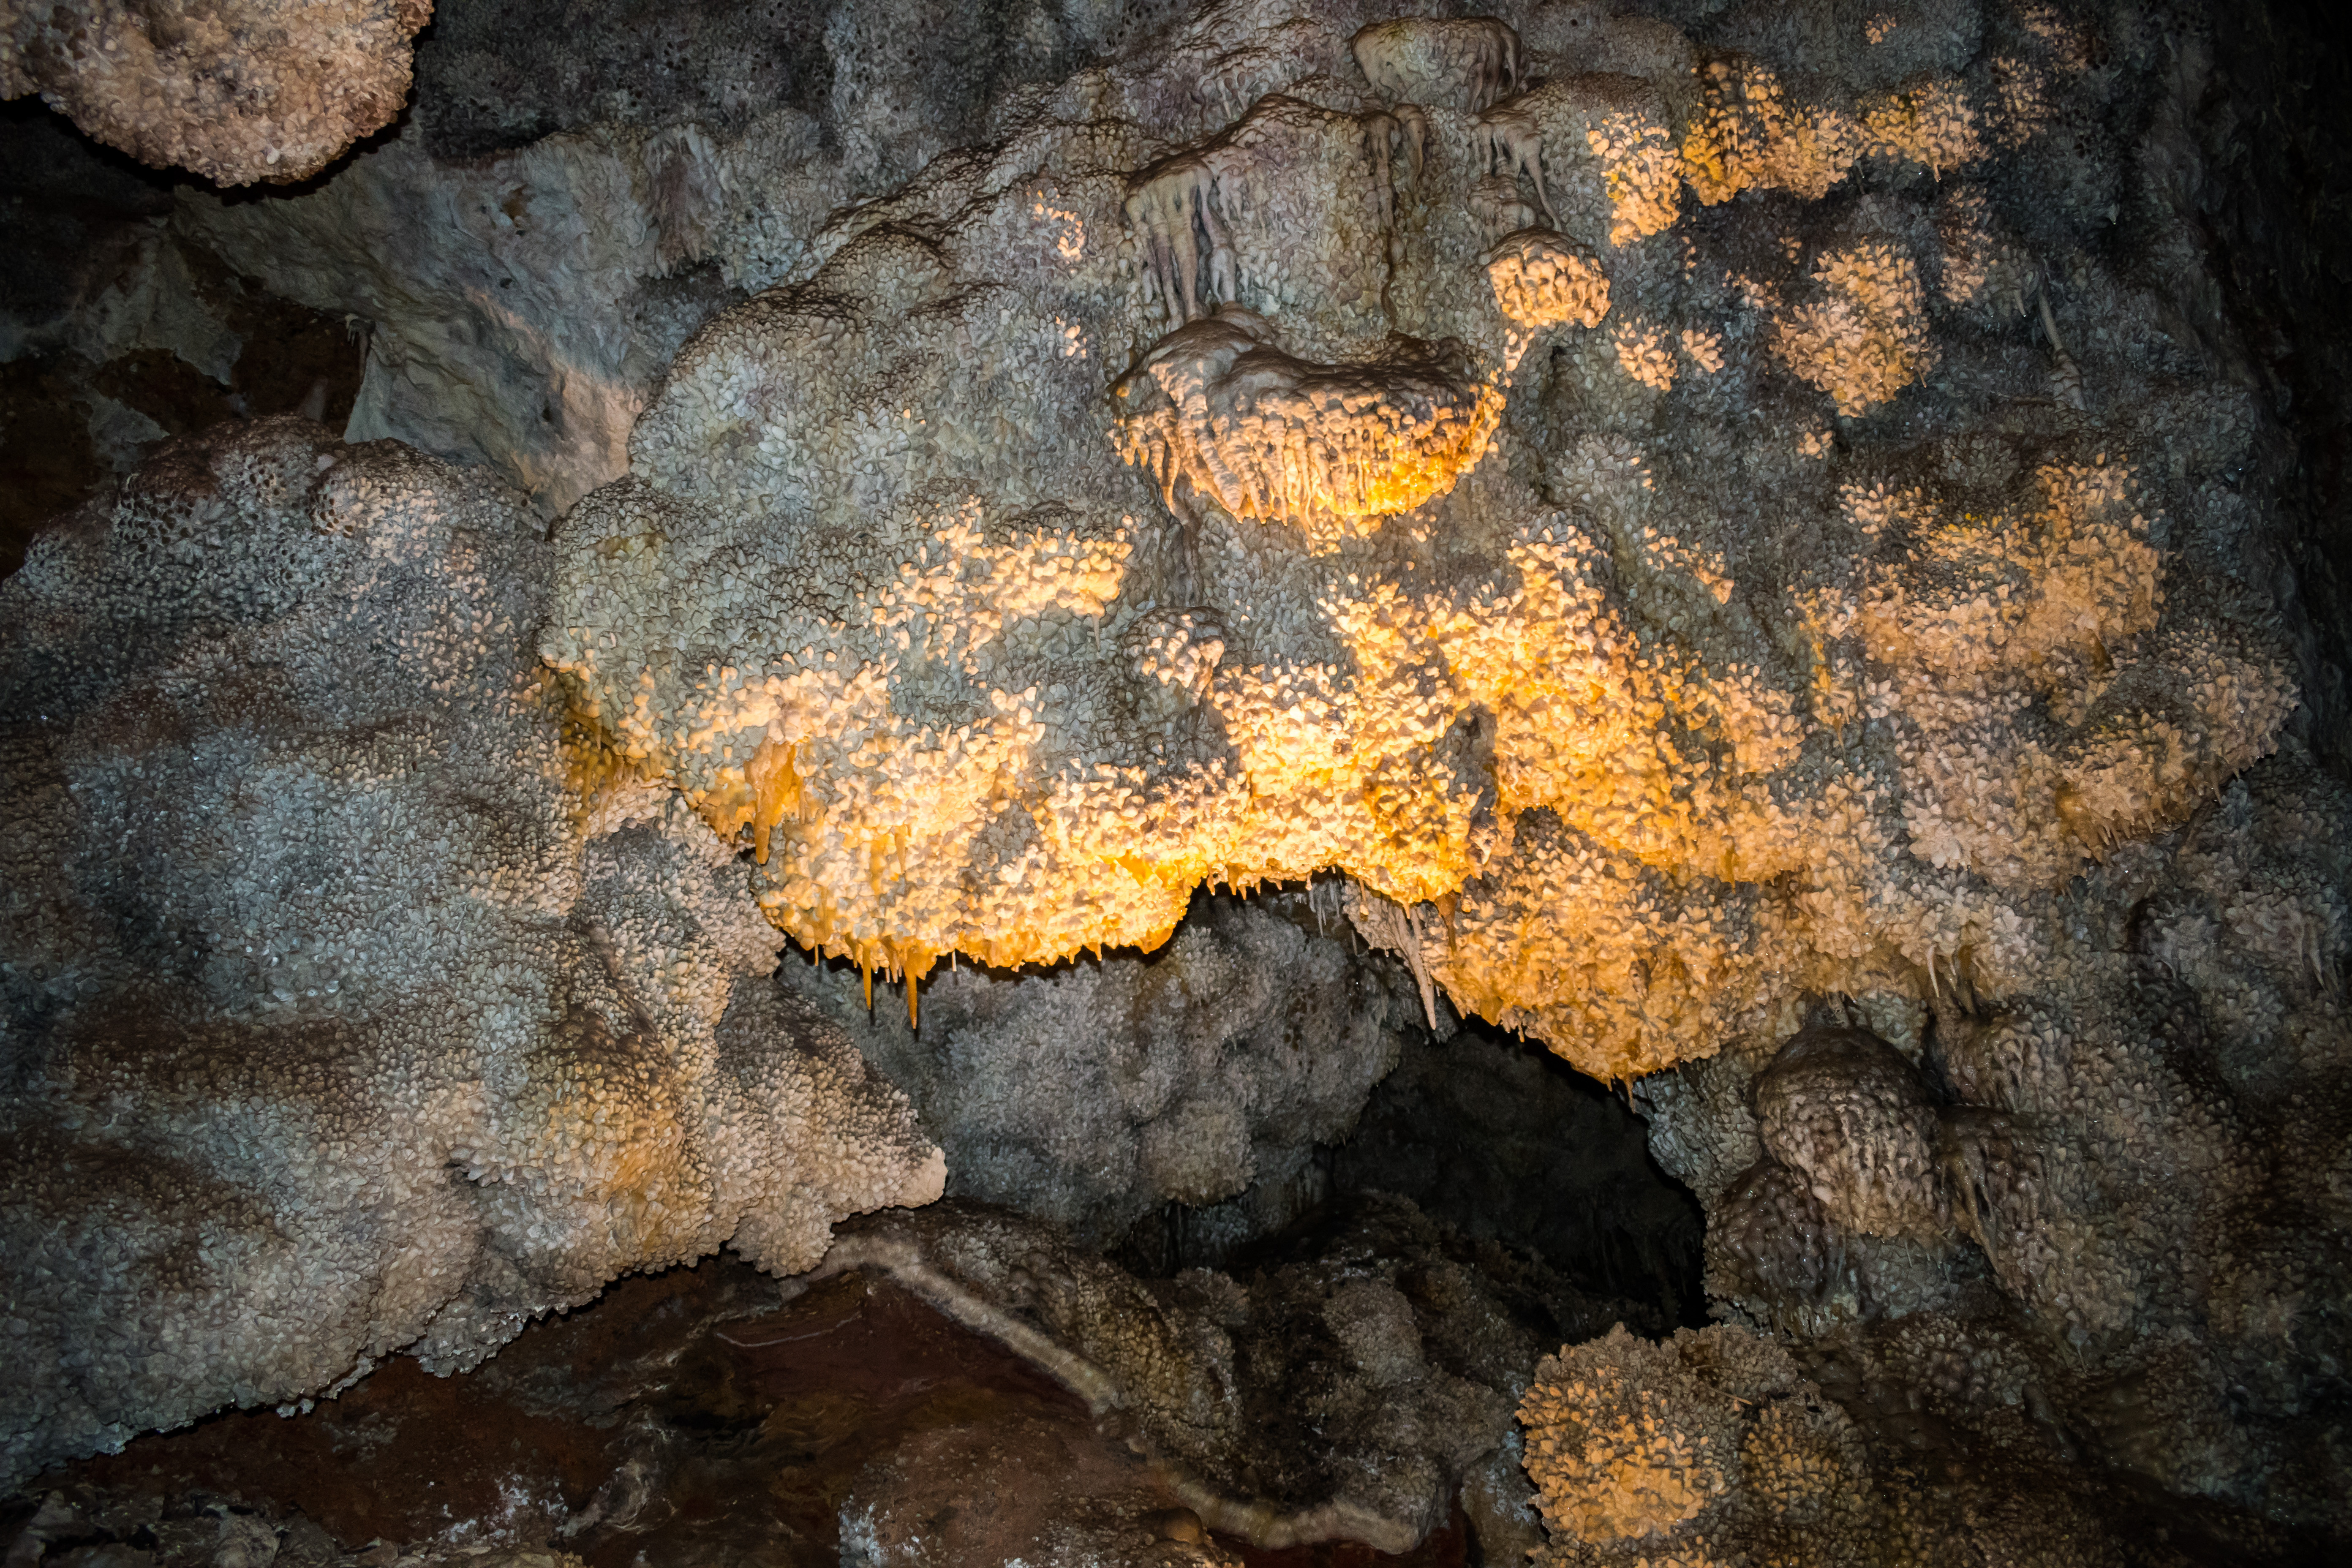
{"points": [[1766, 643], [1207, 1076], [336, 1018], [263, 91], [1748, 535], [1716, 1447], [705, 1415], [2116, 1187], [116, 332], [1343, 1392]]}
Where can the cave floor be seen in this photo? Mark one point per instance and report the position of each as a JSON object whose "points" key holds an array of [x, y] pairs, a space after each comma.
{"points": [[688, 1418]]}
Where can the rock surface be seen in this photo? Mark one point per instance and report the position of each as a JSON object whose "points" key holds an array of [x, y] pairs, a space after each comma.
{"points": [[712, 1415], [1345, 1391], [1206, 1079], [262, 90], [337, 1019], [1746, 535], [1353, 571]]}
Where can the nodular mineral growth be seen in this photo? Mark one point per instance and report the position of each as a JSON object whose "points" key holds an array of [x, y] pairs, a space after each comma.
{"points": [[1346, 1394], [1717, 526], [342, 1017], [1779, 624], [245, 91], [1100, 1094], [1689, 513]]}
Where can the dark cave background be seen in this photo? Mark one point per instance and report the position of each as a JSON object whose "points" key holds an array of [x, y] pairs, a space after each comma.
{"points": [[2277, 208]]}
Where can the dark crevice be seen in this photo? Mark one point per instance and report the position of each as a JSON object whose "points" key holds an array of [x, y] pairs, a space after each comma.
{"points": [[1497, 1138]]}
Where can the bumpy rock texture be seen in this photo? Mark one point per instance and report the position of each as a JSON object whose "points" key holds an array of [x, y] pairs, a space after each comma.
{"points": [[1344, 1391], [1204, 1079], [1803, 624], [1756, 513], [1715, 1447], [1691, 514], [266, 89], [337, 1019], [117, 333]]}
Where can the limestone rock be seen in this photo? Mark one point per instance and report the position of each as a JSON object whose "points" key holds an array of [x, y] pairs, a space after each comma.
{"points": [[263, 91], [1096, 1096], [1503, 637], [344, 1012], [1341, 1395]]}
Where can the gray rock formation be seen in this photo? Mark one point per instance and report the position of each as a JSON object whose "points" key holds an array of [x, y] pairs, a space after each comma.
{"points": [[1739, 541], [265, 91], [1206, 1075], [337, 1019], [1346, 1394]]}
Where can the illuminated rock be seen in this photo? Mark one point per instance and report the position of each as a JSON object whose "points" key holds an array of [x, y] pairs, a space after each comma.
{"points": [[264, 90], [1542, 282], [1329, 448], [343, 1020], [1496, 634], [1859, 617]]}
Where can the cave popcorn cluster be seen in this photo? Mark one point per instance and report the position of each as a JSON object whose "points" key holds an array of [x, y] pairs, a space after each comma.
{"points": [[1458, 624], [1702, 535], [1684, 524], [261, 92], [356, 1005]]}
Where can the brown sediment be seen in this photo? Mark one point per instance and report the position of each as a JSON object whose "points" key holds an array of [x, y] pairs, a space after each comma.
{"points": [[682, 1418]]}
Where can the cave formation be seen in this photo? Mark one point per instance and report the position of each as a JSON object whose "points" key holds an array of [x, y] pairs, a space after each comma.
{"points": [[1114, 782]]}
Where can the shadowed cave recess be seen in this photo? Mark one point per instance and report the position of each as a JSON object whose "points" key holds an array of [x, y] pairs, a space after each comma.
{"points": [[1076, 783]]}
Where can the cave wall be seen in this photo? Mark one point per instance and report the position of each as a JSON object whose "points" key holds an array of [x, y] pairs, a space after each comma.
{"points": [[1785, 553]]}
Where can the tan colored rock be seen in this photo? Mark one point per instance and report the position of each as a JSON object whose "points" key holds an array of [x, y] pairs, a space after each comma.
{"points": [[266, 90]]}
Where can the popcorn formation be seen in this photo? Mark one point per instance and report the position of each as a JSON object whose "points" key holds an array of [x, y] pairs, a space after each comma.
{"points": [[1539, 281], [266, 90], [1457, 621], [1846, 597], [1476, 59], [1094, 1097], [1844, 601], [1639, 1452], [350, 1013]]}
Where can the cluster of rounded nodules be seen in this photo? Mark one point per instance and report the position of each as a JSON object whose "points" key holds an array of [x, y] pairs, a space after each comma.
{"points": [[1853, 1148], [1342, 1396], [890, 597], [1713, 1447], [410, 1042], [1094, 1098], [1486, 619], [264, 90], [1692, 1450]]}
